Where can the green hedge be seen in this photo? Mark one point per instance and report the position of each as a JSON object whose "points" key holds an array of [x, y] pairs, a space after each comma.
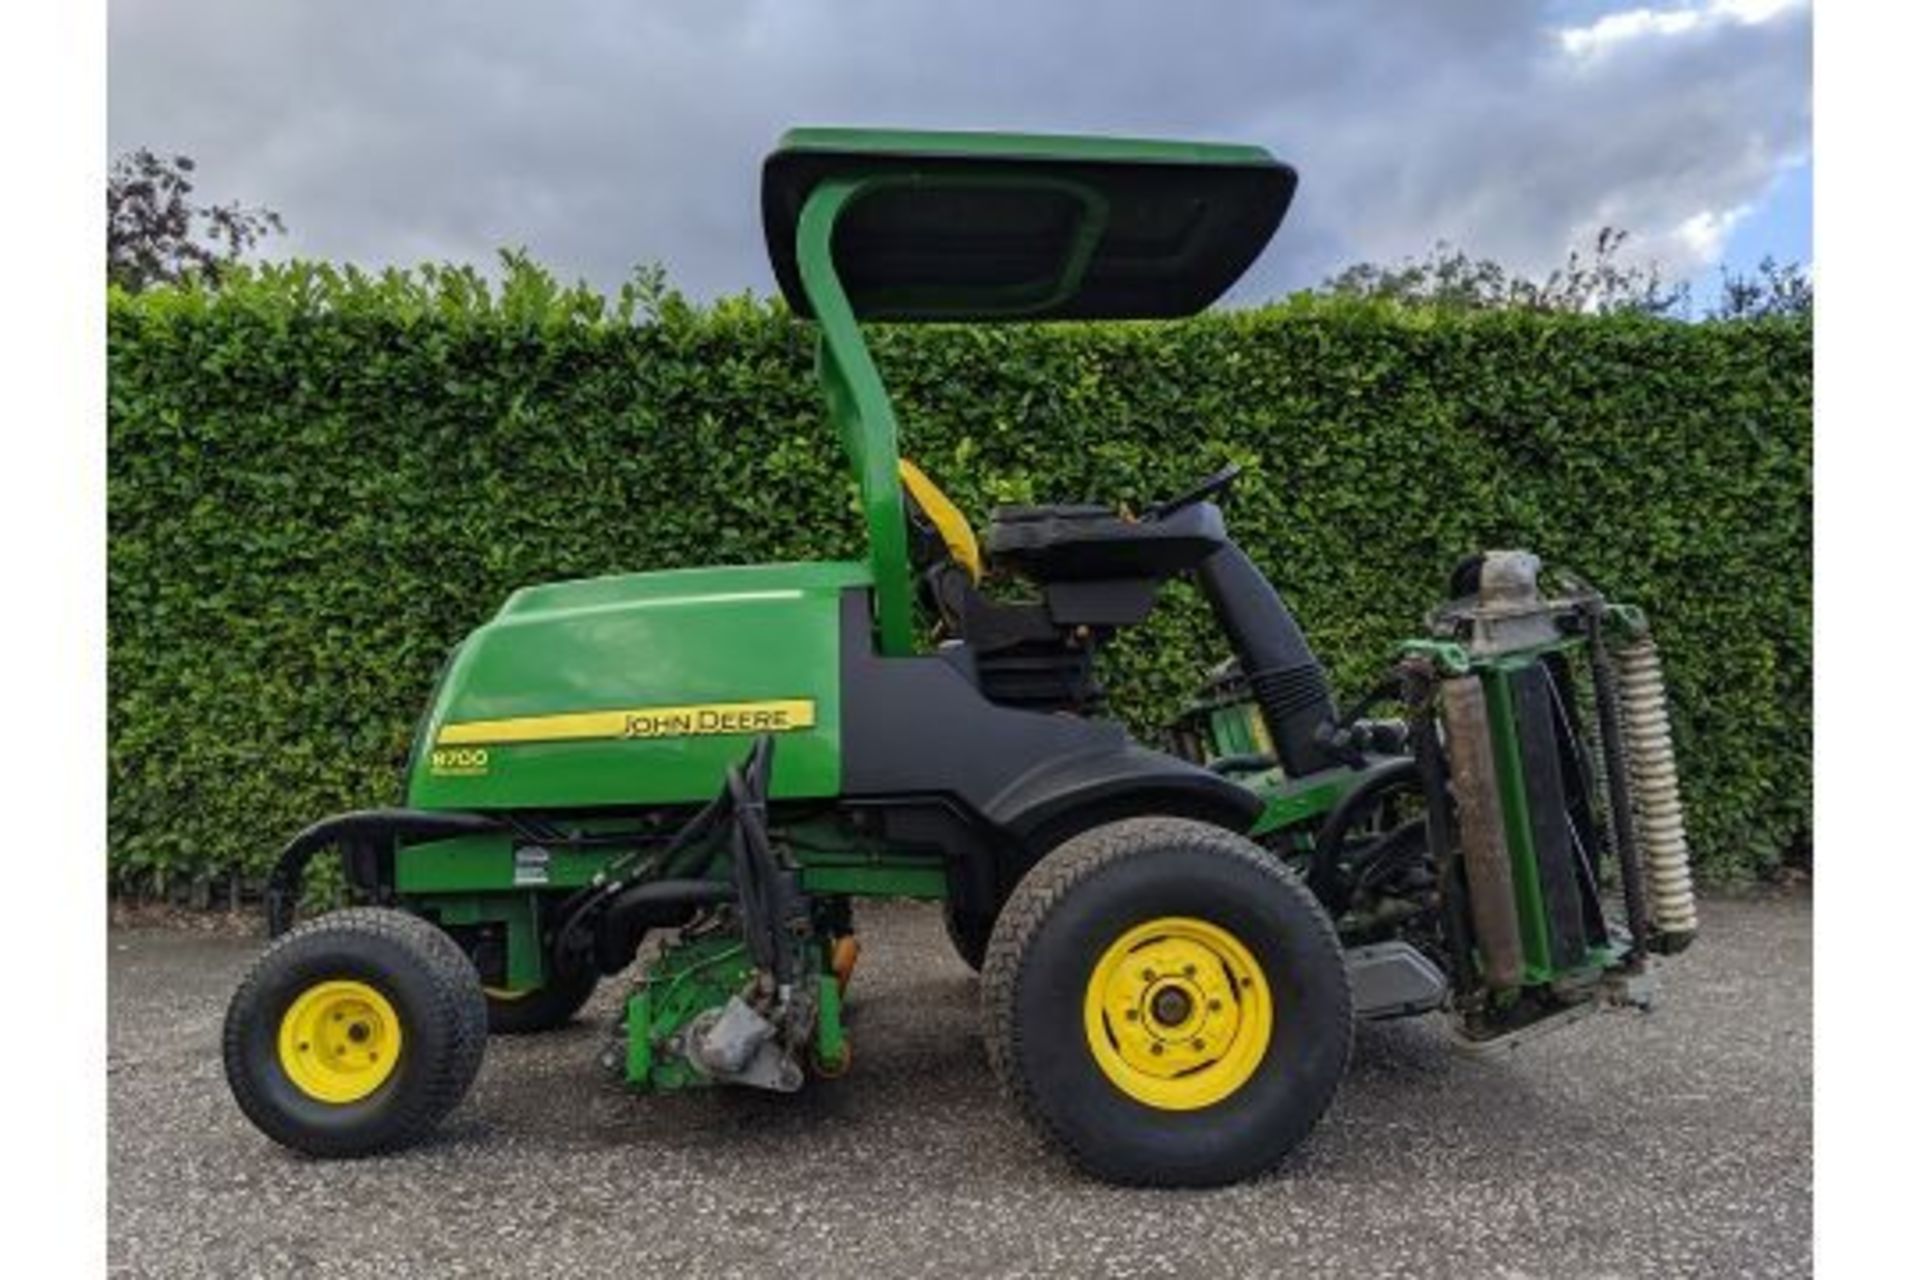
{"points": [[320, 480]]}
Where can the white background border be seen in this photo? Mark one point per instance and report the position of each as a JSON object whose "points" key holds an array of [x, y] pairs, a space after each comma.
{"points": [[52, 634]]}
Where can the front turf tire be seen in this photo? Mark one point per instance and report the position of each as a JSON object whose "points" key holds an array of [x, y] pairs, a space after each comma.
{"points": [[543, 1008], [1101, 912], [306, 1032]]}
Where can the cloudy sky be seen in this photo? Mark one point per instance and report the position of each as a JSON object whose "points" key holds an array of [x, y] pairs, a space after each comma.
{"points": [[602, 133]]}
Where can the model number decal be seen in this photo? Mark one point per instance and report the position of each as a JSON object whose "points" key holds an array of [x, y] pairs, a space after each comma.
{"points": [[775, 715], [459, 762]]}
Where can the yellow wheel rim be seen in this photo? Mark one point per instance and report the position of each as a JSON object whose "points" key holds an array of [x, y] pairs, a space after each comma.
{"points": [[339, 1041], [1178, 1013]]}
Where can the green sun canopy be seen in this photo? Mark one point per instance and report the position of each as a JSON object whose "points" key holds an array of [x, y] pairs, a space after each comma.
{"points": [[992, 226]]}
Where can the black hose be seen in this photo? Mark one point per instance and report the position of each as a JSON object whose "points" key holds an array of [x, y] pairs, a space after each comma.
{"points": [[1323, 875], [655, 904], [683, 866], [576, 908], [762, 892], [1386, 689], [1391, 851]]}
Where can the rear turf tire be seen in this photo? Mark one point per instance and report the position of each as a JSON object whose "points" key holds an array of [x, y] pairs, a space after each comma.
{"points": [[543, 1008], [1116, 900], [354, 983]]}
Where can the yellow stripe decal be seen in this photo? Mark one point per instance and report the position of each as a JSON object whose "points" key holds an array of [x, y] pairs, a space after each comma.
{"points": [[779, 715]]}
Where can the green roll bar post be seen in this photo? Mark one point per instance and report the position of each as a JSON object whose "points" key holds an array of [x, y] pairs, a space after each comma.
{"points": [[857, 401]]}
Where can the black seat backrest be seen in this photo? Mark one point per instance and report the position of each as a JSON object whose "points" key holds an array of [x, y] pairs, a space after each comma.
{"points": [[1089, 543]]}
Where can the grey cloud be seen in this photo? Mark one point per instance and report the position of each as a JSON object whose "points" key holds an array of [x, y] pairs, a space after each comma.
{"points": [[601, 133]]}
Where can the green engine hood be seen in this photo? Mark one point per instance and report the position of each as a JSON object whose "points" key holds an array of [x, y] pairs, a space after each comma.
{"points": [[641, 689]]}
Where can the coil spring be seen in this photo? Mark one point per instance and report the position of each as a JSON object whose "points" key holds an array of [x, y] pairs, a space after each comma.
{"points": [[1655, 784]]}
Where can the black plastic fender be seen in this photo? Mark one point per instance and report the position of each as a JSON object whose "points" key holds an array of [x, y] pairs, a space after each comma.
{"points": [[1070, 793], [918, 729]]}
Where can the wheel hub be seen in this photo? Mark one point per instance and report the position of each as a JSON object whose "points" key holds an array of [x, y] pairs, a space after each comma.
{"points": [[339, 1041], [1178, 1013], [1171, 1005]]}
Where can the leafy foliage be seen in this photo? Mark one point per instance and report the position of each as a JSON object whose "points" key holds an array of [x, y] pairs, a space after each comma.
{"points": [[320, 479], [151, 236], [1773, 288], [1597, 283]]}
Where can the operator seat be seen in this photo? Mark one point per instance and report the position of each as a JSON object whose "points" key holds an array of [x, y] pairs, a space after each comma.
{"points": [[1072, 542], [1096, 569]]}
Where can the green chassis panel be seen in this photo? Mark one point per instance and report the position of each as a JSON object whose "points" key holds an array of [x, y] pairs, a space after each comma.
{"points": [[519, 912], [1293, 801], [640, 689], [481, 879], [487, 868], [486, 865]]}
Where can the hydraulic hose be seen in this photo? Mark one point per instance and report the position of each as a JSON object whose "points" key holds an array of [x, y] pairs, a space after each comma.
{"points": [[687, 856], [761, 889], [654, 904]]}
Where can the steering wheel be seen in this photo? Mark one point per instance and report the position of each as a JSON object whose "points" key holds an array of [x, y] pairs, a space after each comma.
{"points": [[1216, 484]]}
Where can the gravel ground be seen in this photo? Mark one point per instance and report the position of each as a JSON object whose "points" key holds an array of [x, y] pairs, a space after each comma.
{"points": [[1673, 1144]]}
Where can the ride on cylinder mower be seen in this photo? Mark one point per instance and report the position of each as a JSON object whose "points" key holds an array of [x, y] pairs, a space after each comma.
{"points": [[703, 769]]}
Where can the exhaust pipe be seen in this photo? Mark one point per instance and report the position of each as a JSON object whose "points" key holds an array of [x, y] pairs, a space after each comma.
{"points": [[1287, 680]]}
